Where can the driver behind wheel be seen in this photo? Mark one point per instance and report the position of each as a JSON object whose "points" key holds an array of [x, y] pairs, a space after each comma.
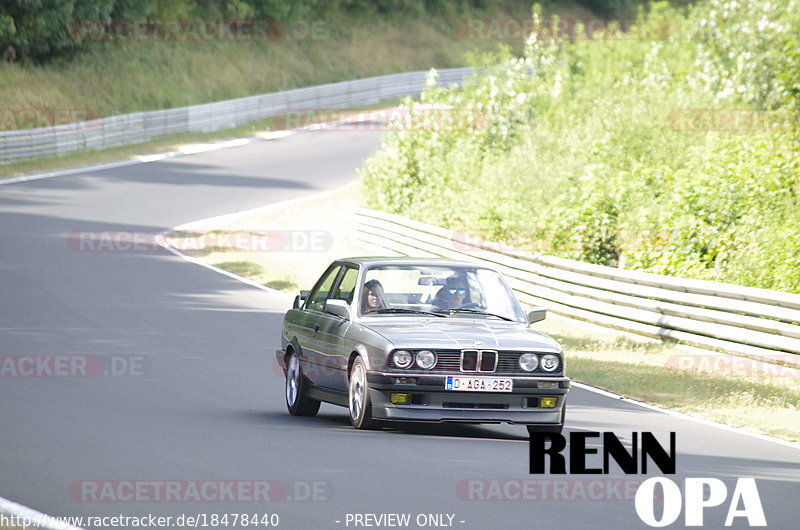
{"points": [[454, 294]]}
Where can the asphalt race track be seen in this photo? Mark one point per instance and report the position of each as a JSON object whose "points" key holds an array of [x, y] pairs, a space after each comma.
{"points": [[198, 401]]}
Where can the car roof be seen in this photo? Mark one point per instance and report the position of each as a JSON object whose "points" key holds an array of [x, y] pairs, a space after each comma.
{"points": [[406, 260]]}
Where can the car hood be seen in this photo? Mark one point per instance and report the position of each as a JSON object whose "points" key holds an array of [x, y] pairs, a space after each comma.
{"points": [[461, 333]]}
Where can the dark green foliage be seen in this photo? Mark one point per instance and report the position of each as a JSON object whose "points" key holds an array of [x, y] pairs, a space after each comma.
{"points": [[39, 29], [622, 8], [611, 7]]}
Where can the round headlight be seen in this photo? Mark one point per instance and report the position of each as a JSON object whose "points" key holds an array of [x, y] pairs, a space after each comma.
{"points": [[528, 362], [549, 362], [426, 359], [402, 359]]}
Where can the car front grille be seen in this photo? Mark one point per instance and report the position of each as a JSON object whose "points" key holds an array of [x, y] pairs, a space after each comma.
{"points": [[479, 361]]}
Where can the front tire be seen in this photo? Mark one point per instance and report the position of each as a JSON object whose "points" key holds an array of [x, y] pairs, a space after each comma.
{"points": [[358, 400], [297, 401]]}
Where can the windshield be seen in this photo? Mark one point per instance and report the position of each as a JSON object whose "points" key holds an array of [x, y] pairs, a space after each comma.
{"points": [[442, 290]]}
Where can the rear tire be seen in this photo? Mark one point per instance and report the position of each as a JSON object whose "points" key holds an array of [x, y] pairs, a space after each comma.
{"points": [[297, 401], [359, 404]]}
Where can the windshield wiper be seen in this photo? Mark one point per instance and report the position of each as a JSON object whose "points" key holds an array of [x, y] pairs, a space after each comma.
{"points": [[455, 310], [403, 310]]}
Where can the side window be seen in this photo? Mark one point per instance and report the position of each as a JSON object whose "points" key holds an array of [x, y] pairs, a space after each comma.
{"points": [[344, 291], [316, 301]]}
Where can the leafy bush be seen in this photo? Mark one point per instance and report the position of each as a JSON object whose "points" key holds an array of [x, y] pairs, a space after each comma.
{"points": [[740, 50], [584, 156]]}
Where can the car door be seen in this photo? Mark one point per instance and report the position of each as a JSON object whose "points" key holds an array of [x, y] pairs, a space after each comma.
{"points": [[334, 332], [309, 323], [329, 334]]}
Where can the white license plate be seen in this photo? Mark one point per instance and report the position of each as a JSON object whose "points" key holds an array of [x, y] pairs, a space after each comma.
{"points": [[478, 384]]}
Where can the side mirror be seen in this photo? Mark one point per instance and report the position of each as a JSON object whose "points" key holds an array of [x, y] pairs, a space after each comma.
{"points": [[299, 299], [536, 314], [338, 308]]}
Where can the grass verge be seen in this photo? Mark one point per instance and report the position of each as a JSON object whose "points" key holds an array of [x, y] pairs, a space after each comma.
{"points": [[119, 77], [708, 385], [712, 386]]}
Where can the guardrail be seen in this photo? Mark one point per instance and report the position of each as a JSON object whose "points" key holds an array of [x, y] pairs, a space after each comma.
{"points": [[126, 129], [745, 321]]}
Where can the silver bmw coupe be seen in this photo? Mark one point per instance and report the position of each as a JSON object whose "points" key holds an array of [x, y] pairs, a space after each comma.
{"points": [[420, 340]]}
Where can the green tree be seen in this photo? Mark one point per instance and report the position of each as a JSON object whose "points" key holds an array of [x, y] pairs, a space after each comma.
{"points": [[39, 29]]}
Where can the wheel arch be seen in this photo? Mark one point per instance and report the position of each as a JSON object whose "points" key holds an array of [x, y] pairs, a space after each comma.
{"points": [[350, 361], [293, 346], [358, 351]]}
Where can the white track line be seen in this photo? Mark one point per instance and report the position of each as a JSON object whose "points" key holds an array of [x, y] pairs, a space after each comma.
{"points": [[235, 216], [64, 172], [190, 149], [161, 239], [143, 159]]}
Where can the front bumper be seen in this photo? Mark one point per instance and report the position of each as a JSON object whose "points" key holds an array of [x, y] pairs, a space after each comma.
{"points": [[430, 402]]}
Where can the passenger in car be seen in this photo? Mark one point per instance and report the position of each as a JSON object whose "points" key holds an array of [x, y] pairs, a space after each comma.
{"points": [[373, 298]]}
